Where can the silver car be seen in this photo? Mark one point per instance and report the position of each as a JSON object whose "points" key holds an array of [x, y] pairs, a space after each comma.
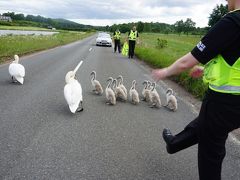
{"points": [[104, 39]]}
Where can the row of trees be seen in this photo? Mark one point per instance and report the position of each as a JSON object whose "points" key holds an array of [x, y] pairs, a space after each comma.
{"points": [[179, 27]]}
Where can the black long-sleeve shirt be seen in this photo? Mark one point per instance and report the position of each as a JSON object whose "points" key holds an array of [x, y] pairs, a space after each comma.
{"points": [[224, 39]]}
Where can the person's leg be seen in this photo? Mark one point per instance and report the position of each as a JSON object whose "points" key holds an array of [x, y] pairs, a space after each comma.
{"points": [[115, 45], [184, 139], [133, 48], [130, 49], [119, 46], [215, 124]]}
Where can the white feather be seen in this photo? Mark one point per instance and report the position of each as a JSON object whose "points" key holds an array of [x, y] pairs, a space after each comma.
{"points": [[17, 71]]}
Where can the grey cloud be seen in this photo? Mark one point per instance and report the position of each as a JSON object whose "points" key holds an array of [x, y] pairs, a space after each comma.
{"points": [[172, 3]]}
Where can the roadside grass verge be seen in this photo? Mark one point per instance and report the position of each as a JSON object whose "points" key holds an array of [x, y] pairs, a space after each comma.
{"points": [[177, 46], [24, 44]]}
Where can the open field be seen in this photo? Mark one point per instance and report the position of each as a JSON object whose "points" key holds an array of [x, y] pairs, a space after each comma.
{"points": [[23, 44], [23, 28], [177, 46]]}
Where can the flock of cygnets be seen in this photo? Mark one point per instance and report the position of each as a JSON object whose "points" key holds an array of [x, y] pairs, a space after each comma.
{"points": [[114, 91]]}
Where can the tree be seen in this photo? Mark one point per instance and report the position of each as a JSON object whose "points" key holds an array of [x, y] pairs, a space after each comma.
{"points": [[19, 17], [218, 12], [140, 26], [147, 27], [179, 26], [10, 14], [189, 26]]}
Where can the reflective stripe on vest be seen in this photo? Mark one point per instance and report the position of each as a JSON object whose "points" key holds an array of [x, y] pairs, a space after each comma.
{"points": [[117, 35], [233, 89], [132, 36], [221, 76]]}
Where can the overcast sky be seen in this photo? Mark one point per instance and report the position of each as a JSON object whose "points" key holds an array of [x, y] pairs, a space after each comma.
{"points": [[106, 12]]}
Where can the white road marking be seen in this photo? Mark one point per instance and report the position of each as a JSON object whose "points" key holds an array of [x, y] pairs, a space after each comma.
{"points": [[90, 49]]}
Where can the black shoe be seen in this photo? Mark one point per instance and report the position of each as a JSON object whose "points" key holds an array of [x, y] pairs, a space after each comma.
{"points": [[181, 141], [168, 138]]}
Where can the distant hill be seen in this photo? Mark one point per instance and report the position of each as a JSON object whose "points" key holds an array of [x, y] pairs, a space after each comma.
{"points": [[39, 21]]}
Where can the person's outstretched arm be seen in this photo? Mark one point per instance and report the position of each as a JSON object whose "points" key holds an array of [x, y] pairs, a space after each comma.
{"points": [[184, 63]]}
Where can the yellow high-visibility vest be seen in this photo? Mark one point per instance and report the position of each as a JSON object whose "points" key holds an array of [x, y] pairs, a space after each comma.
{"points": [[117, 35], [222, 77], [132, 36]]}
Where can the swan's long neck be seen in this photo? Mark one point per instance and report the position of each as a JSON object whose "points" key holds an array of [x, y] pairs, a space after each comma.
{"points": [[145, 85], [169, 92], [154, 85], [119, 83], [133, 85], [110, 82], [94, 76], [121, 80], [149, 85], [114, 83], [16, 59]]}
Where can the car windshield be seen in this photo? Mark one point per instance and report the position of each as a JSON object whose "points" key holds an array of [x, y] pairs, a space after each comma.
{"points": [[105, 35]]}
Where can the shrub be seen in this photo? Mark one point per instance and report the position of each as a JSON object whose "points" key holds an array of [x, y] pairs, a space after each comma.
{"points": [[161, 43]]}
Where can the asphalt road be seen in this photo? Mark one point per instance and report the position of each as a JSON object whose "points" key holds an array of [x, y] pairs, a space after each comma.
{"points": [[41, 139]]}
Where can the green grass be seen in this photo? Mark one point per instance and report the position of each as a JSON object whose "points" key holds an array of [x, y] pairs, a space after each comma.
{"points": [[23, 28], [177, 47], [24, 44]]}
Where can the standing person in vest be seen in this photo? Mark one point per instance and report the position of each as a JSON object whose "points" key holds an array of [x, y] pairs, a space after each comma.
{"points": [[116, 37], [219, 51], [132, 37]]}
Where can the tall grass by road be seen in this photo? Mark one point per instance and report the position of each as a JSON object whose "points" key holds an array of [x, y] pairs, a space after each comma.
{"points": [[177, 46], [23, 44]]}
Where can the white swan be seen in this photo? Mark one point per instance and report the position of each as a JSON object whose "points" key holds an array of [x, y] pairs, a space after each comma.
{"points": [[96, 84], [134, 97], [156, 102], [171, 100], [119, 93], [110, 95], [16, 70], [120, 84], [73, 91]]}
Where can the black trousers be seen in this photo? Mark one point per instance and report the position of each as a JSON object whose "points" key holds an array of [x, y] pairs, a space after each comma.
{"points": [[117, 45], [131, 45], [210, 131]]}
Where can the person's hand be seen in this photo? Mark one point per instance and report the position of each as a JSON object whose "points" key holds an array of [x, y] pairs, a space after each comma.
{"points": [[158, 74], [196, 72]]}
